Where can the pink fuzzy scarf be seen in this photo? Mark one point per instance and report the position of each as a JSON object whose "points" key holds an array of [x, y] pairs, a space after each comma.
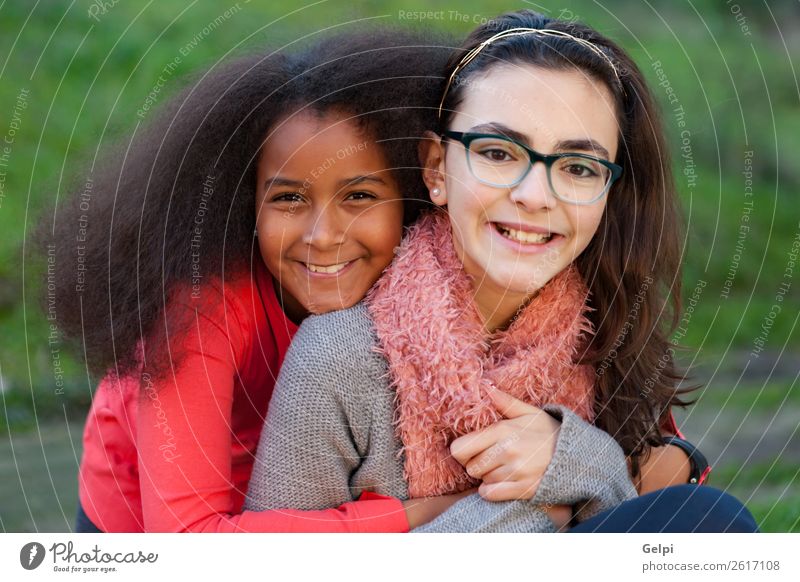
{"points": [[443, 366]]}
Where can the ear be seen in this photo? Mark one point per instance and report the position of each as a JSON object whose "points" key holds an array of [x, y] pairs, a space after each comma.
{"points": [[431, 157]]}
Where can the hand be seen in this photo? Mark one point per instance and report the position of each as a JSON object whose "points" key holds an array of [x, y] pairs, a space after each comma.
{"points": [[511, 456], [422, 510]]}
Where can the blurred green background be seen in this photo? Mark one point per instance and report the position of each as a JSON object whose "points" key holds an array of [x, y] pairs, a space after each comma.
{"points": [[74, 74]]}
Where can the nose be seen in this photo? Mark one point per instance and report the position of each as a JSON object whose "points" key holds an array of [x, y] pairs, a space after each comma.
{"points": [[534, 192], [325, 229]]}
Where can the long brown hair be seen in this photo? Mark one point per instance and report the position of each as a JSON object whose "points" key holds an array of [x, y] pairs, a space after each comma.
{"points": [[632, 265]]}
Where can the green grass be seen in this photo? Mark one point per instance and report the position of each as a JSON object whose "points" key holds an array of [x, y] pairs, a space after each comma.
{"points": [[777, 515], [767, 396], [763, 473], [40, 489], [24, 411], [769, 489]]}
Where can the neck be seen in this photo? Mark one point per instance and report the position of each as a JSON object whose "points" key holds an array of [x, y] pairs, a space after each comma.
{"points": [[498, 307], [293, 309]]}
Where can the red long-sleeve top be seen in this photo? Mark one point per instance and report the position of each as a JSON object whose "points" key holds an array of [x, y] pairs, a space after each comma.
{"points": [[175, 454]]}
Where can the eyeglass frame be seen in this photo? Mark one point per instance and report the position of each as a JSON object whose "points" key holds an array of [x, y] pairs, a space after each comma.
{"points": [[466, 138]]}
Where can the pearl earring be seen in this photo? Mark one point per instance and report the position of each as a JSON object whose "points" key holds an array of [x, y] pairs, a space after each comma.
{"points": [[435, 193]]}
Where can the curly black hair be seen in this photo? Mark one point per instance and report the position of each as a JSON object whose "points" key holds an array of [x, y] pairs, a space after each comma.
{"points": [[119, 247]]}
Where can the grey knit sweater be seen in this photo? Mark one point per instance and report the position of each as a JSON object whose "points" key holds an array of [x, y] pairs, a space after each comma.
{"points": [[329, 436]]}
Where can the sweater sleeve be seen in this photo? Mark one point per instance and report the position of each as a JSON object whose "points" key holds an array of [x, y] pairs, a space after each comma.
{"points": [[320, 445], [184, 445], [588, 470]]}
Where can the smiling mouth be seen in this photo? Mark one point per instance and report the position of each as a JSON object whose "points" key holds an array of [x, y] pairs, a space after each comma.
{"points": [[529, 238], [329, 269]]}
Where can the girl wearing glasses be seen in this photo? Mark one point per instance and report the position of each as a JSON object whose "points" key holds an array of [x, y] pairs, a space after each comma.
{"points": [[516, 343]]}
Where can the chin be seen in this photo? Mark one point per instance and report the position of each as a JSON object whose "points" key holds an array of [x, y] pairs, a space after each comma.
{"points": [[327, 307], [519, 283], [515, 286]]}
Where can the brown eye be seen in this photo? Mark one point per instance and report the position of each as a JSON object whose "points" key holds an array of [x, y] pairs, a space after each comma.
{"points": [[579, 168], [495, 150], [580, 171], [360, 195], [497, 155], [288, 197]]}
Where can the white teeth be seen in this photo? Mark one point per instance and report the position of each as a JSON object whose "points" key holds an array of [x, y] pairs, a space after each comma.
{"points": [[330, 269], [524, 237]]}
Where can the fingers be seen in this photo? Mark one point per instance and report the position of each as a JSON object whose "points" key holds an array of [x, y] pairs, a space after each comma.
{"points": [[466, 447], [470, 445], [484, 463], [511, 407], [501, 473], [501, 453], [514, 470], [503, 442]]}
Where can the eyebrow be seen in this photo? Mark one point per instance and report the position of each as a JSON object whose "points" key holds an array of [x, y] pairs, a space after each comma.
{"points": [[583, 145], [355, 180], [280, 181], [277, 181], [567, 145]]}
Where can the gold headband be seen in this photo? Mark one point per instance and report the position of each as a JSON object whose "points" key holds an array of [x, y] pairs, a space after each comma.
{"points": [[470, 56]]}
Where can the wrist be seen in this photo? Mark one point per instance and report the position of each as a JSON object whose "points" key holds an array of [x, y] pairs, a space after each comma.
{"points": [[699, 468], [422, 510]]}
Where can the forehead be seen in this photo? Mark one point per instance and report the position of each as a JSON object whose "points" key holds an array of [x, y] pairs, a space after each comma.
{"points": [[306, 140], [546, 105]]}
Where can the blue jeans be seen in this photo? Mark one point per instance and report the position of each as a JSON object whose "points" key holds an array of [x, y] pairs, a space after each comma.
{"points": [[82, 522], [679, 509]]}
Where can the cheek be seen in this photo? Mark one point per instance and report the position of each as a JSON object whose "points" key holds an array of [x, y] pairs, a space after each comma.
{"points": [[468, 199], [462, 189], [382, 228], [270, 254], [274, 237], [586, 221]]}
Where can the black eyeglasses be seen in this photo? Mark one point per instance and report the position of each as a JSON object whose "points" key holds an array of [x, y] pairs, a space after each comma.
{"points": [[497, 160]]}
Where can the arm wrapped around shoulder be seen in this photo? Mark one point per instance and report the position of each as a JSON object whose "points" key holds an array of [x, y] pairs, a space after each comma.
{"points": [[305, 454], [588, 469], [328, 436]]}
